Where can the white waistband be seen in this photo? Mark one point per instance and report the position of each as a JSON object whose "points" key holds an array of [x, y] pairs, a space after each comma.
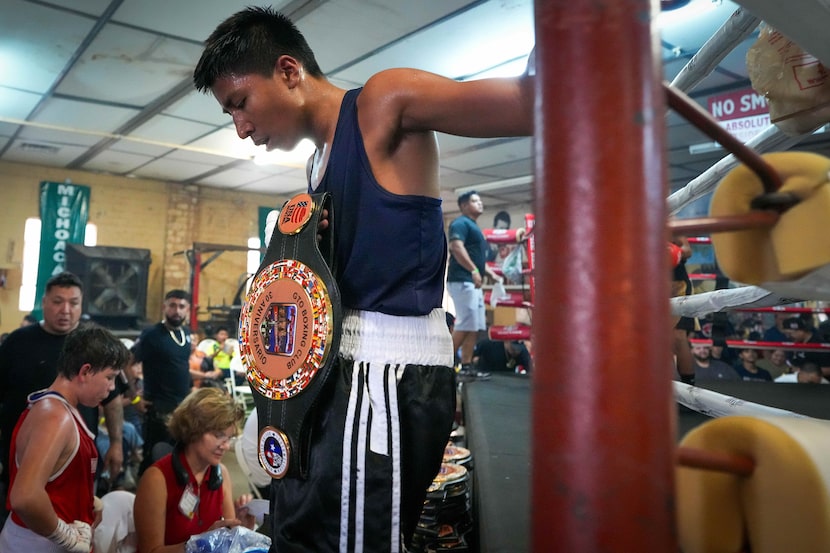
{"points": [[390, 339]]}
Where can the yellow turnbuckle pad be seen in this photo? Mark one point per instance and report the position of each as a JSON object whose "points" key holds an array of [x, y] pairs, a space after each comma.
{"points": [[797, 243]]}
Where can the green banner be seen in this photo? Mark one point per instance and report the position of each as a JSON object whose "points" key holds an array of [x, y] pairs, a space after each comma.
{"points": [[64, 211], [263, 216]]}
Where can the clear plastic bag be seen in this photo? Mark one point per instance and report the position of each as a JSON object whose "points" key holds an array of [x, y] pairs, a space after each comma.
{"points": [[228, 540], [498, 293], [512, 266]]}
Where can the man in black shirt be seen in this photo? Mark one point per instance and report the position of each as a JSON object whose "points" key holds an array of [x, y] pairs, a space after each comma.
{"points": [[28, 361], [799, 332], [501, 356], [164, 352]]}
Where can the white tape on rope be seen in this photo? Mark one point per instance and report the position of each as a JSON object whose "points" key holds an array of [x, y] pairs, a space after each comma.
{"points": [[714, 404], [699, 305], [735, 30]]}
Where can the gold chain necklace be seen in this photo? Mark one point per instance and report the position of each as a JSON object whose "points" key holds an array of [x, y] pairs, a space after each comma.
{"points": [[183, 337]]}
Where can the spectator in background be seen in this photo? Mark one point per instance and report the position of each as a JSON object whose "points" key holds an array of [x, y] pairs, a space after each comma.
{"points": [[747, 368], [28, 320], [492, 356], [776, 333], [682, 286], [707, 368], [808, 373], [465, 276], [497, 252], [722, 352], [200, 362], [224, 350], [52, 478], [28, 361], [800, 333], [775, 363], [189, 491], [164, 352]]}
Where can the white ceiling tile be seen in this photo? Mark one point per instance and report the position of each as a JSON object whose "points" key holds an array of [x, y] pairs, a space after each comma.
{"points": [[281, 184], [172, 130], [449, 143], [484, 36], [186, 19], [116, 162], [50, 136], [131, 66], [451, 179], [91, 7], [36, 42], [83, 116], [292, 172], [233, 178], [17, 104], [139, 148], [508, 170], [200, 157], [330, 29], [21, 154], [226, 140], [172, 169], [512, 150], [199, 107]]}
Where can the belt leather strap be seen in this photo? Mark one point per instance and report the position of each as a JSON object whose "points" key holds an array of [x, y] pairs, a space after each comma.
{"points": [[289, 332]]}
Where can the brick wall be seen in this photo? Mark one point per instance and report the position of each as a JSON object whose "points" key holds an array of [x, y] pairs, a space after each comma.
{"points": [[137, 213]]}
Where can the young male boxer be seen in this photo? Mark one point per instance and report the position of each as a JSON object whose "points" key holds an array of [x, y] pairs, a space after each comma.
{"points": [[381, 428], [53, 456]]}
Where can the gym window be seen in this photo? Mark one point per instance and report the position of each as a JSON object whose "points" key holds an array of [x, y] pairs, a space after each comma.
{"points": [[31, 259]]}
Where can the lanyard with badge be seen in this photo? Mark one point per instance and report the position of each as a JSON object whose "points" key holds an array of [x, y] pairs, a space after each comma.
{"points": [[189, 502]]}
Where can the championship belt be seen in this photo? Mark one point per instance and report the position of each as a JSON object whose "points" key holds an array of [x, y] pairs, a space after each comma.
{"points": [[289, 333]]}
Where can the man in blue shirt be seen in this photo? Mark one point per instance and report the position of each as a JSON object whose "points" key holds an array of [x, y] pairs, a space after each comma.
{"points": [[468, 253]]}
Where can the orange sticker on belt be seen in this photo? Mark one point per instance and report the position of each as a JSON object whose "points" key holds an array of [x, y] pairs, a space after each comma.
{"points": [[295, 214]]}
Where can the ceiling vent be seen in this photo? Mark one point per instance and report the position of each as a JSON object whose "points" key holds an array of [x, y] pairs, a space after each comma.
{"points": [[39, 148]]}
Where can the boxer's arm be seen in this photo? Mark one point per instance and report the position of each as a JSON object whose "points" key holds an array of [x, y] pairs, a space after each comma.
{"points": [[44, 442], [410, 100]]}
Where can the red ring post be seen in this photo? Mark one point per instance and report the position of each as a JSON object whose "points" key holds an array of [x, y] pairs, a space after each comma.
{"points": [[603, 417]]}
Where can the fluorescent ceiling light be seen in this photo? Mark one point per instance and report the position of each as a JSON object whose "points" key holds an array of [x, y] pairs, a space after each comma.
{"points": [[296, 157], [704, 148]]}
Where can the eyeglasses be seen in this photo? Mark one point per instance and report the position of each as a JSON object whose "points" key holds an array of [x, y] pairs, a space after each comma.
{"points": [[223, 439]]}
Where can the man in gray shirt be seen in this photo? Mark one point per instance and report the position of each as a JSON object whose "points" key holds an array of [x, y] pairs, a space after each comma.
{"points": [[707, 368]]}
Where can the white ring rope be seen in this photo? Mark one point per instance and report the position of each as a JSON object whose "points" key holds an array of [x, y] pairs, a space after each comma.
{"points": [[700, 305], [771, 138], [714, 404], [735, 30]]}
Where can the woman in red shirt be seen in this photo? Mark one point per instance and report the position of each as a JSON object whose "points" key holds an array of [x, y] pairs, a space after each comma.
{"points": [[189, 490]]}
